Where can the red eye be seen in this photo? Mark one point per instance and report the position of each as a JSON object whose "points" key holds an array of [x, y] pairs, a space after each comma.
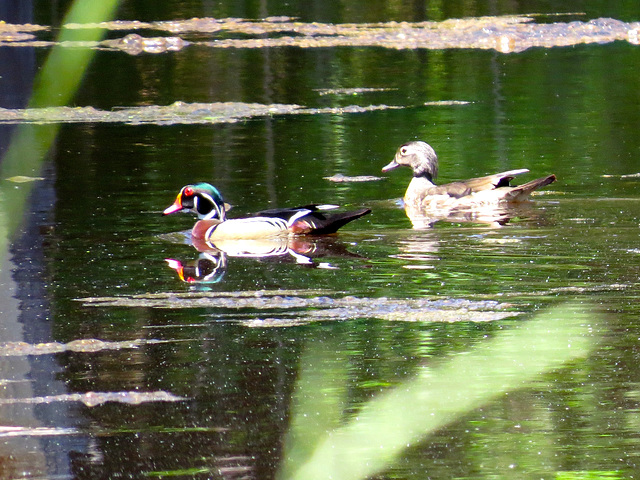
{"points": [[188, 191]]}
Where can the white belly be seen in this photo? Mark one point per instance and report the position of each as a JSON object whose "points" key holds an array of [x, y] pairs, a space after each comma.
{"points": [[257, 227], [253, 247]]}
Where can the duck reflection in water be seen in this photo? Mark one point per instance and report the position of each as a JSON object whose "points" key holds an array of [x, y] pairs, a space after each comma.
{"points": [[490, 199], [208, 268], [211, 265]]}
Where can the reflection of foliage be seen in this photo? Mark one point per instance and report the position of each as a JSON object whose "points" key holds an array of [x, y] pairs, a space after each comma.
{"points": [[320, 445]]}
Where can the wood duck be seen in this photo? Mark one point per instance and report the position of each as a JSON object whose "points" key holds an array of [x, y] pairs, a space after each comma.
{"points": [[426, 197], [211, 264], [213, 225], [209, 267]]}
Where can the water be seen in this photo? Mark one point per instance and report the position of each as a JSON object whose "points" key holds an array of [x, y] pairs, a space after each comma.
{"points": [[93, 233]]}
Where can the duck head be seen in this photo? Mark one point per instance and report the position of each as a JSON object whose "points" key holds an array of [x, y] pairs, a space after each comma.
{"points": [[202, 199], [209, 267], [419, 156]]}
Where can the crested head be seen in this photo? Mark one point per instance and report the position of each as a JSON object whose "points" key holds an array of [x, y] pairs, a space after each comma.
{"points": [[201, 198], [419, 156]]}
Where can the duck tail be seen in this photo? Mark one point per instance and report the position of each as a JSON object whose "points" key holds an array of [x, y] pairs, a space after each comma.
{"points": [[316, 223], [521, 192]]}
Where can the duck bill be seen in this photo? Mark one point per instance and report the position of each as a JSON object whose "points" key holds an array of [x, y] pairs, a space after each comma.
{"points": [[177, 266], [390, 166], [176, 207]]}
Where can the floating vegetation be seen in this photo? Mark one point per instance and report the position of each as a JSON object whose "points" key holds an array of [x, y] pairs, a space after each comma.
{"points": [[23, 179], [12, 431], [92, 399], [135, 44], [446, 103], [350, 91], [504, 34], [340, 178], [510, 33], [10, 33], [612, 287], [569, 290], [628, 175], [176, 113], [294, 307], [89, 345]]}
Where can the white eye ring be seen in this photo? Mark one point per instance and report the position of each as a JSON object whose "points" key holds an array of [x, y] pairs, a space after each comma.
{"points": [[403, 151]]}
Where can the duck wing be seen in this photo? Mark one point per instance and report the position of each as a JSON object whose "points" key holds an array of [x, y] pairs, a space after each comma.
{"points": [[289, 212], [494, 181], [454, 189], [318, 223], [474, 185], [521, 192]]}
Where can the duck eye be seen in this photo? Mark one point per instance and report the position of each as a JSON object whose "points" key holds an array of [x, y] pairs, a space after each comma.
{"points": [[403, 151], [188, 191]]}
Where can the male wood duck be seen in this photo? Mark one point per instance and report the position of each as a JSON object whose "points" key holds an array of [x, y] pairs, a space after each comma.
{"points": [[426, 197], [209, 267], [211, 264], [206, 201]]}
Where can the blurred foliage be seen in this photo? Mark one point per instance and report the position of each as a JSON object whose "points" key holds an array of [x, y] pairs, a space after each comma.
{"points": [[324, 443], [55, 85]]}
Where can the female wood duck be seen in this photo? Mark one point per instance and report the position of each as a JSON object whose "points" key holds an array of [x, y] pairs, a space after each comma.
{"points": [[424, 196], [213, 225]]}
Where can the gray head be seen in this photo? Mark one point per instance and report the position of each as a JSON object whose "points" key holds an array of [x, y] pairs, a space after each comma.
{"points": [[419, 156]]}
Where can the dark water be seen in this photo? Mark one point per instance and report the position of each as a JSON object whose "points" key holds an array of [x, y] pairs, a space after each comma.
{"points": [[93, 230]]}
